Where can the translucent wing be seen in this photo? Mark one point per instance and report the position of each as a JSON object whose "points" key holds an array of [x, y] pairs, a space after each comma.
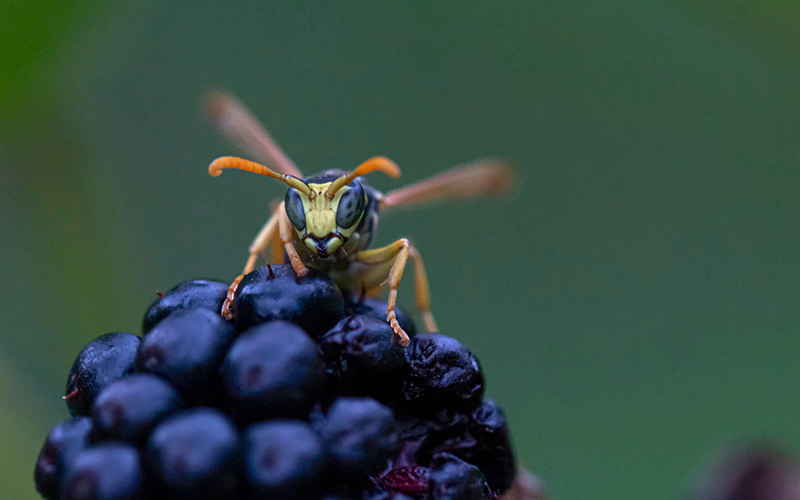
{"points": [[244, 130], [481, 178]]}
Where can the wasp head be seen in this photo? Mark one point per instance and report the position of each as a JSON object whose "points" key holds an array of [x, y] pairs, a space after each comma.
{"points": [[324, 210], [324, 223]]}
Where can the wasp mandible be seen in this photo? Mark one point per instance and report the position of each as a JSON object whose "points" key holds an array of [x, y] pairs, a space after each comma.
{"points": [[327, 221]]}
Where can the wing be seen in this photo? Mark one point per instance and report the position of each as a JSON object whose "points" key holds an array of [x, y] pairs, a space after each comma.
{"points": [[243, 129], [481, 178]]}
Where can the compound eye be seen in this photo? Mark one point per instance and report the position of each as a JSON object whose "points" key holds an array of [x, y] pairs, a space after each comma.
{"points": [[295, 210], [351, 205]]}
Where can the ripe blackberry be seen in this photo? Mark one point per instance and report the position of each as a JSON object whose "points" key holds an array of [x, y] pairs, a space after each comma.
{"points": [[454, 479], [442, 373], [195, 454], [106, 471], [284, 460], [273, 371], [480, 438], [360, 435], [492, 453], [376, 308], [386, 423], [274, 292], [364, 358], [64, 442], [194, 294], [187, 349], [102, 361], [128, 409]]}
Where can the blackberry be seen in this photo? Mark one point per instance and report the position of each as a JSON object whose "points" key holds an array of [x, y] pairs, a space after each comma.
{"points": [[493, 453], [284, 460], [195, 454], [360, 434], [454, 479], [290, 400], [273, 371], [194, 294], [432, 432], [128, 409], [376, 308], [64, 442], [364, 358], [102, 361], [274, 292], [187, 349], [480, 438], [442, 372], [106, 471]]}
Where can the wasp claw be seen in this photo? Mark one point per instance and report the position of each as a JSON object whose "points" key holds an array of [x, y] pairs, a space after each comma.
{"points": [[300, 269], [226, 310], [398, 330]]}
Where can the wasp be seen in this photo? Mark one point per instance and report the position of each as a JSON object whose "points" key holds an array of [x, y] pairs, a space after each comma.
{"points": [[328, 221]]}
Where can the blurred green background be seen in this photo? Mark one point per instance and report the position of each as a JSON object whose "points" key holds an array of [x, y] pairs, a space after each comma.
{"points": [[634, 304]]}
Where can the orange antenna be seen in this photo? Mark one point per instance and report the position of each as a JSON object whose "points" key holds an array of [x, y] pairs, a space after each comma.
{"points": [[216, 167], [381, 163]]}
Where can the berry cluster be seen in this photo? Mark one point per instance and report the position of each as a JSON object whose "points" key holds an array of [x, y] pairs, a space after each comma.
{"points": [[305, 394]]}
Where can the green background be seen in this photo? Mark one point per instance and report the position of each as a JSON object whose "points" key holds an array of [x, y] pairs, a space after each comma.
{"points": [[634, 303]]}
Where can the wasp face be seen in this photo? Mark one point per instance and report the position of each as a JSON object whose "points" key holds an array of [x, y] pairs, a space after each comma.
{"points": [[323, 224]]}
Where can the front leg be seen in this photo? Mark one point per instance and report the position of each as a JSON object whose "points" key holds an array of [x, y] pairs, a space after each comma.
{"points": [[278, 227], [259, 245], [396, 255]]}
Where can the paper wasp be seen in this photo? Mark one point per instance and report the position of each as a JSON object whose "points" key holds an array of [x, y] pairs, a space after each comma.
{"points": [[328, 221]]}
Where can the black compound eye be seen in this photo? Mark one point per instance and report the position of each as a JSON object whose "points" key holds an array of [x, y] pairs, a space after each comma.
{"points": [[295, 210], [351, 206]]}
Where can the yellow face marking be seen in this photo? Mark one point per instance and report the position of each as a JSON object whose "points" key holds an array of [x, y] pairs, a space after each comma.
{"points": [[321, 212], [321, 234]]}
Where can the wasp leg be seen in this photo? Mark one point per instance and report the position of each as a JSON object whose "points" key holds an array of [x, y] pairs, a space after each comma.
{"points": [[277, 251], [286, 237], [275, 244], [259, 245], [395, 257], [422, 291]]}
